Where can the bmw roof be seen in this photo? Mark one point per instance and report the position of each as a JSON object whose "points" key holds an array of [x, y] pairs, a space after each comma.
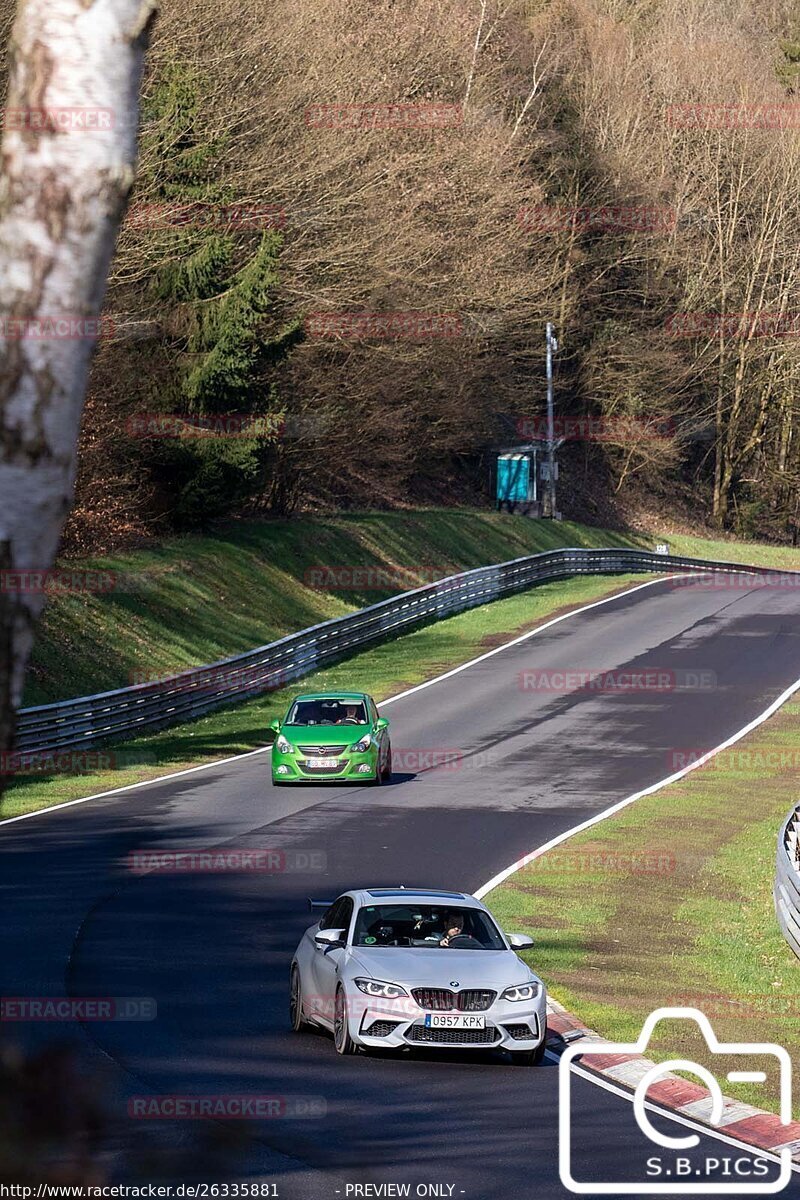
{"points": [[366, 897], [400, 892]]}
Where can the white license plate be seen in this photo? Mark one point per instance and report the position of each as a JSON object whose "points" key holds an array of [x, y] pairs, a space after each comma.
{"points": [[455, 1021], [326, 764]]}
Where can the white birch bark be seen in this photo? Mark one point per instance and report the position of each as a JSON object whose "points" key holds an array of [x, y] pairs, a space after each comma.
{"points": [[64, 183]]}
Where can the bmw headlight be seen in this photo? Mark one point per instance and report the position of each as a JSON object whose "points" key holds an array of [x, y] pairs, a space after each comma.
{"points": [[363, 746], [523, 991], [376, 987], [282, 746]]}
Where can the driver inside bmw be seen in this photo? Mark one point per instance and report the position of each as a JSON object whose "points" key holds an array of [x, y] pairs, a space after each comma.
{"points": [[454, 934]]}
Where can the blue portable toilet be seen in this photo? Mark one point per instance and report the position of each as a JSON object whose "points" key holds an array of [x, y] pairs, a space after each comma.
{"points": [[514, 479]]}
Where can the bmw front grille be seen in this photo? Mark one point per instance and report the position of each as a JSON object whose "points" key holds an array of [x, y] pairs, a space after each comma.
{"points": [[444, 1000]]}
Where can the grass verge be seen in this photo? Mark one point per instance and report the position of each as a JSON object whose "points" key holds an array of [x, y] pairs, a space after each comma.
{"points": [[670, 902], [382, 671]]}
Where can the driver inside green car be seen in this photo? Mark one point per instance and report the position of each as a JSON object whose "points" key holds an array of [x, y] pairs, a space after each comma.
{"points": [[353, 715]]}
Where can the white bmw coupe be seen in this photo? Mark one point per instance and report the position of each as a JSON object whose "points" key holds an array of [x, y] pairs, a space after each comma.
{"points": [[403, 967]]}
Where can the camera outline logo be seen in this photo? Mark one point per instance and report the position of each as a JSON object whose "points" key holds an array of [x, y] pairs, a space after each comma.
{"points": [[734, 1049]]}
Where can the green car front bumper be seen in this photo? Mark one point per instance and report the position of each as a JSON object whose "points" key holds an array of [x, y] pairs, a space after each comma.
{"points": [[297, 767]]}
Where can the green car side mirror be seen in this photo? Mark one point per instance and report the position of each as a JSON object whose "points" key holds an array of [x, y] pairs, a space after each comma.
{"points": [[381, 723], [275, 726]]}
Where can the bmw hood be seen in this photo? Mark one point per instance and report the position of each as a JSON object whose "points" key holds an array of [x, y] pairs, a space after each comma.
{"points": [[441, 967]]}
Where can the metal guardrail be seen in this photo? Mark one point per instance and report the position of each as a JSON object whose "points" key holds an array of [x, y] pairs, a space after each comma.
{"points": [[787, 881], [95, 720]]}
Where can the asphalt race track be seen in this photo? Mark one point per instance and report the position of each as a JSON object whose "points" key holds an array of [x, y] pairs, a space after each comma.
{"points": [[214, 949]]}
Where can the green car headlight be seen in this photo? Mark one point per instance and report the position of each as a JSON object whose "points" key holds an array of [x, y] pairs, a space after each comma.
{"points": [[362, 746], [282, 746], [523, 991]]}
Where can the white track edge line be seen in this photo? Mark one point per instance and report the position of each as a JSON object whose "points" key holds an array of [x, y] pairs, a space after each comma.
{"points": [[501, 877], [218, 762]]}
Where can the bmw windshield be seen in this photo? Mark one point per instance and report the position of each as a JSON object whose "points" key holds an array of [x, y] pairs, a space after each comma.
{"points": [[426, 926]]}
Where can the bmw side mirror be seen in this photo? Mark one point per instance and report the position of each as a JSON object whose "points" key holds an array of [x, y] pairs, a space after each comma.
{"points": [[381, 723], [275, 725], [520, 941], [330, 937]]}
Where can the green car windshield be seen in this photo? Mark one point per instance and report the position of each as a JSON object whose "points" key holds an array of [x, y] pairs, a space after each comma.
{"points": [[424, 926], [327, 712]]}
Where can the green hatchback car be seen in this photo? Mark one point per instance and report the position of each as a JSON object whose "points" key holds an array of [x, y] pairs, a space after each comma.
{"points": [[332, 735]]}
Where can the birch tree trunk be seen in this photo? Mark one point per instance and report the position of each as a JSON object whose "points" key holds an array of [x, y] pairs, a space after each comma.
{"points": [[66, 168]]}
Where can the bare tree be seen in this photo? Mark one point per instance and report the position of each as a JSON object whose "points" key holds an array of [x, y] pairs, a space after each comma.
{"points": [[68, 154]]}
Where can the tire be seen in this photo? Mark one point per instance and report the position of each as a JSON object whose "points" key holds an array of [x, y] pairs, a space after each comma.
{"points": [[387, 774], [529, 1058], [341, 1030], [296, 1017]]}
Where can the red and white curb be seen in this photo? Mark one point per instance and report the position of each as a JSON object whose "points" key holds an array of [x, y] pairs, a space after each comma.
{"points": [[743, 1122]]}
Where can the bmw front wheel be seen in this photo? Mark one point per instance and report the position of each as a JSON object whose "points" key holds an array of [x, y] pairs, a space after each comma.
{"points": [[341, 1026], [296, 1016], [529, 1058]]}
